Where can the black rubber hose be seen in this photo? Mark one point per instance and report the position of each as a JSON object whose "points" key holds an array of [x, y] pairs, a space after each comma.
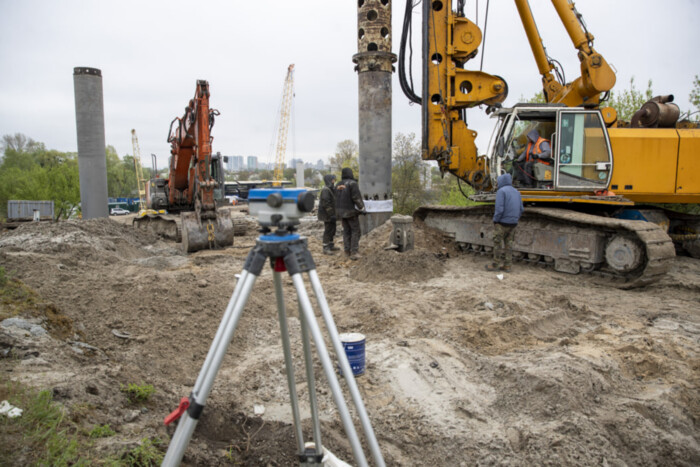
{"points": [[405, 87]]}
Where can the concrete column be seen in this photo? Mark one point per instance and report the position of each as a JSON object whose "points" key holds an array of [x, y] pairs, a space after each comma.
{"points": [[90, 125], [374, 66], [300, 174]]}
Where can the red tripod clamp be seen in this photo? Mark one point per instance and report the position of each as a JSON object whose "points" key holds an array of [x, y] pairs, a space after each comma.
{"points": [[177, 413]]}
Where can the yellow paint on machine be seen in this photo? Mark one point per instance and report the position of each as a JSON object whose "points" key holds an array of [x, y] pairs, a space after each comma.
{"points": [[656, 164]]}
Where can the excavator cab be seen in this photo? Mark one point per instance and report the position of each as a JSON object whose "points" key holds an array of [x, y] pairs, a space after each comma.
{"points": [[581, 158]]}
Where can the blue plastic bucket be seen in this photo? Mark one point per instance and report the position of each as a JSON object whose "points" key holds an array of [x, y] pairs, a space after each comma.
{"points": [[354, 345]]}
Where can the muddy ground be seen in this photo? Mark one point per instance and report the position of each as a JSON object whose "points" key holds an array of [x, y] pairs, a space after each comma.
{"points": [[463, 368]]}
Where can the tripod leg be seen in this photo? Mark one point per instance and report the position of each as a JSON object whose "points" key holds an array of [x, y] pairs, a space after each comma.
{"points": [[286, 346], [311, 382], [345, 366], [305, 306], [205, 380], [222, 328]]}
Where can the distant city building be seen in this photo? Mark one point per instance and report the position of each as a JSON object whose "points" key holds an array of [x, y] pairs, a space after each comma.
{"points": [[238, 163], [293, 163], [252, 163], [319, 165]]}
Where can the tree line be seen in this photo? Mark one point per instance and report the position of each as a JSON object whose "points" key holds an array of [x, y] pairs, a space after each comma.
{"points": [[414, 182], [29, 171]]}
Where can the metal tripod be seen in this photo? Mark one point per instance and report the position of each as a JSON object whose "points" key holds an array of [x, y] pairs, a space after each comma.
{"points": [[286, 252]]}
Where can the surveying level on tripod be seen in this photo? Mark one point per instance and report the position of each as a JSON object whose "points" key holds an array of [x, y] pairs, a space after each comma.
{"points": [[284, 251], [280, 207]]}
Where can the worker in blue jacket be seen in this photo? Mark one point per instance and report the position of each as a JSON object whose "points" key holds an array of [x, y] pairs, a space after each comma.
{"points": [[509, 208]]}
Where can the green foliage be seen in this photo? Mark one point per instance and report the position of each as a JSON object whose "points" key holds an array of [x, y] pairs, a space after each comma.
{"points": [[3, 277], [695, 98], [684, 208], [310, 178], [101, 431], [16, 298], [346, 155], [45, 435], [146, 454], [451, 195], [408, 190], [138, 392], [18, 142], [290, 173], [121, 175], [29, 171], [627, 101], [538, 98], [42, 428]]}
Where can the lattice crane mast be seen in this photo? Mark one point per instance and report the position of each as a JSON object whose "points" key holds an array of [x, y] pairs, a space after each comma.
{"points": [[140, 181], [285, 112]]}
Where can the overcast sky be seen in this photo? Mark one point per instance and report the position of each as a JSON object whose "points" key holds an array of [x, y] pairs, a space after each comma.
{"points": [[152, 52]]}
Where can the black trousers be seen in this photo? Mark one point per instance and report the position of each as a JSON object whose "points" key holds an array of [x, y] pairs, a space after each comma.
{"points": [[351, 234], [329, 229], [522, 172]]}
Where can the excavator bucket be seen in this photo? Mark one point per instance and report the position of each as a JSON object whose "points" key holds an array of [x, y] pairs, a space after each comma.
{"points": [[203, 234], [164, 225]]}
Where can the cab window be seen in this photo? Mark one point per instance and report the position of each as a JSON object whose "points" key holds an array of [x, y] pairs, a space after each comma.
{"points": [[584, 159]]}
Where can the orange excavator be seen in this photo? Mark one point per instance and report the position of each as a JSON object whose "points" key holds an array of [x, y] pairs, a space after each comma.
{"points": [[194, 183]]}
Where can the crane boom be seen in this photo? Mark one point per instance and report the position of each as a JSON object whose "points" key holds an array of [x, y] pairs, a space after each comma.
{"points": [[284, 125], [140, 181]]}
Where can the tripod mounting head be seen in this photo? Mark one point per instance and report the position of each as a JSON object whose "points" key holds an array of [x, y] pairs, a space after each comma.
{"points": [[280, 207]]}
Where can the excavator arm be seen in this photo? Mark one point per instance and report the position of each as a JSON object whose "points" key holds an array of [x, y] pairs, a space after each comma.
{"points": [[192, 180]]}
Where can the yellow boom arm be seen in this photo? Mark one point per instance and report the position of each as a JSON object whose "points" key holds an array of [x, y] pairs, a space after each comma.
{"points": [[596, 77]]}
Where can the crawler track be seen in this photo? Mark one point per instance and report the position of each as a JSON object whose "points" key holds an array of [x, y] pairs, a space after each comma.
{"points": [[633, 253]]}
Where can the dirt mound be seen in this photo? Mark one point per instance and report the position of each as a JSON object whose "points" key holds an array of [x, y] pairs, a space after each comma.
{"points": [[425, 261], [102, 236], [531, 368], [383, 265]]}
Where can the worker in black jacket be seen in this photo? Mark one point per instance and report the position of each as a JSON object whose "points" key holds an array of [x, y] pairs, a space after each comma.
{"points": [[349, 206], [326, 214]]}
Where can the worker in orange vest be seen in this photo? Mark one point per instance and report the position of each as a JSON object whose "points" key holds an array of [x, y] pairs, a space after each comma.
{"points": [[538, 150]]}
